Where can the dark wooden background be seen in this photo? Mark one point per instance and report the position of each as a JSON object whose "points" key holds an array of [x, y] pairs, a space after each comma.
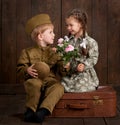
{"points": [[103, 25]]}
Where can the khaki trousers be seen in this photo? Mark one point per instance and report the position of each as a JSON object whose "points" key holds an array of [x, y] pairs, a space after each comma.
{"points": [[53, 91]]}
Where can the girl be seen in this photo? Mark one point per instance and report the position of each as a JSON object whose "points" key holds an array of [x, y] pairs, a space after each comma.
{"points": [[82, 76]]}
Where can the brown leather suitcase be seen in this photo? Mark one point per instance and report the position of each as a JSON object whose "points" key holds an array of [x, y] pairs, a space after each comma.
{"points": [[98, 103]]}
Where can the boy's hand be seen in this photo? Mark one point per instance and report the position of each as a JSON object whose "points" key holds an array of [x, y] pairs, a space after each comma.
{"points": [[32, 72], [54, 49], [80, 67]]}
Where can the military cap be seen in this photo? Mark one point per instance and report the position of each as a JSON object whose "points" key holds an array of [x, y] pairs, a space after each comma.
{"points": [[35, 21], [43, 69]]}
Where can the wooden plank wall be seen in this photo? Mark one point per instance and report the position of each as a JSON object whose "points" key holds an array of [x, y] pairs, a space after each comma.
{"points": [[103, 25]]}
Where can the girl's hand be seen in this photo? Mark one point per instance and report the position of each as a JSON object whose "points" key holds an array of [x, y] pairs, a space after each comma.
{"points": [[32, 72], [80, 67]]}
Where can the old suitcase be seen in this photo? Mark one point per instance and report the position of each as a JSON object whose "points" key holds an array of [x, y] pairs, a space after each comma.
{"points": [[98, 103]]}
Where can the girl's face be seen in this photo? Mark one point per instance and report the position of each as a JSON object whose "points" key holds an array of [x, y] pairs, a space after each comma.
{"points": [[48, 36], [73, 26]]}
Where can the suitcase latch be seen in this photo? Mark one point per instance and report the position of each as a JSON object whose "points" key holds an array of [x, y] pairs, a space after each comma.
{"points": [[97, 100]]}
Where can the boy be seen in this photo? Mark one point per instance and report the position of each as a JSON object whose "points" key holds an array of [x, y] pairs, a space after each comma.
{"points": [[40, 29]]}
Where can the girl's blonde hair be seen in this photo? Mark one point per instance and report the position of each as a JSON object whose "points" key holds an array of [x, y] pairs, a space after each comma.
{"points": [[40, 29]]}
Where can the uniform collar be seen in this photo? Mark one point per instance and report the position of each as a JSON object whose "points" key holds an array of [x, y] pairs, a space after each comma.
{"points": [[43, 48]]}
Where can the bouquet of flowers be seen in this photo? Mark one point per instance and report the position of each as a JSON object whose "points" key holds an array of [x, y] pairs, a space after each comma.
{"points": [[66, 50]]}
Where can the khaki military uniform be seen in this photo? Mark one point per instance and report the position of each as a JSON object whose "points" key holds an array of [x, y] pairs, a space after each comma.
{"points": [[53, 90]]}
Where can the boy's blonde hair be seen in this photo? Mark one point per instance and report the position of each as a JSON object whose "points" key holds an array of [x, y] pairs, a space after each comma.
{"points": [[40, 29]]}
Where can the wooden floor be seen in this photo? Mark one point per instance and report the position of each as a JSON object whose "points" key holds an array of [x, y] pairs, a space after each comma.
{"points": [[12, 108]]}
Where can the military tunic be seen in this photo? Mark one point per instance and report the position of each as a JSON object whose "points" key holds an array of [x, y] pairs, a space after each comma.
{"points": [[33, 86], [86, 80]]}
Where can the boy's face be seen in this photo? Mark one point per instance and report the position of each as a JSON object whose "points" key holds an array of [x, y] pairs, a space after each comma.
{"points": [[48, 36], [73, 26]]}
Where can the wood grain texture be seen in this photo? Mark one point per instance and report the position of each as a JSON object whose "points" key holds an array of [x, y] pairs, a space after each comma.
{"points": [[113, 41], [103, 26], [8, 41], [12, 108]]}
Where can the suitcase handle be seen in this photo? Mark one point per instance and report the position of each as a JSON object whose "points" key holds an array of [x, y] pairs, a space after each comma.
{"points": [[78, 106]]}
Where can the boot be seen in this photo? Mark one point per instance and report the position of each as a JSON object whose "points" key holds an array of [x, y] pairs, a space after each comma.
{"points": [[40, 114]]}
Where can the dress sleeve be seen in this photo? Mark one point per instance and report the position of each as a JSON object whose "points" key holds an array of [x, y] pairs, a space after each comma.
{"points": [[93, 54]]}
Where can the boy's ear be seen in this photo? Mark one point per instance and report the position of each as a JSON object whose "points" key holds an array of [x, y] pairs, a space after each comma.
{"points": [[39, 36]]}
